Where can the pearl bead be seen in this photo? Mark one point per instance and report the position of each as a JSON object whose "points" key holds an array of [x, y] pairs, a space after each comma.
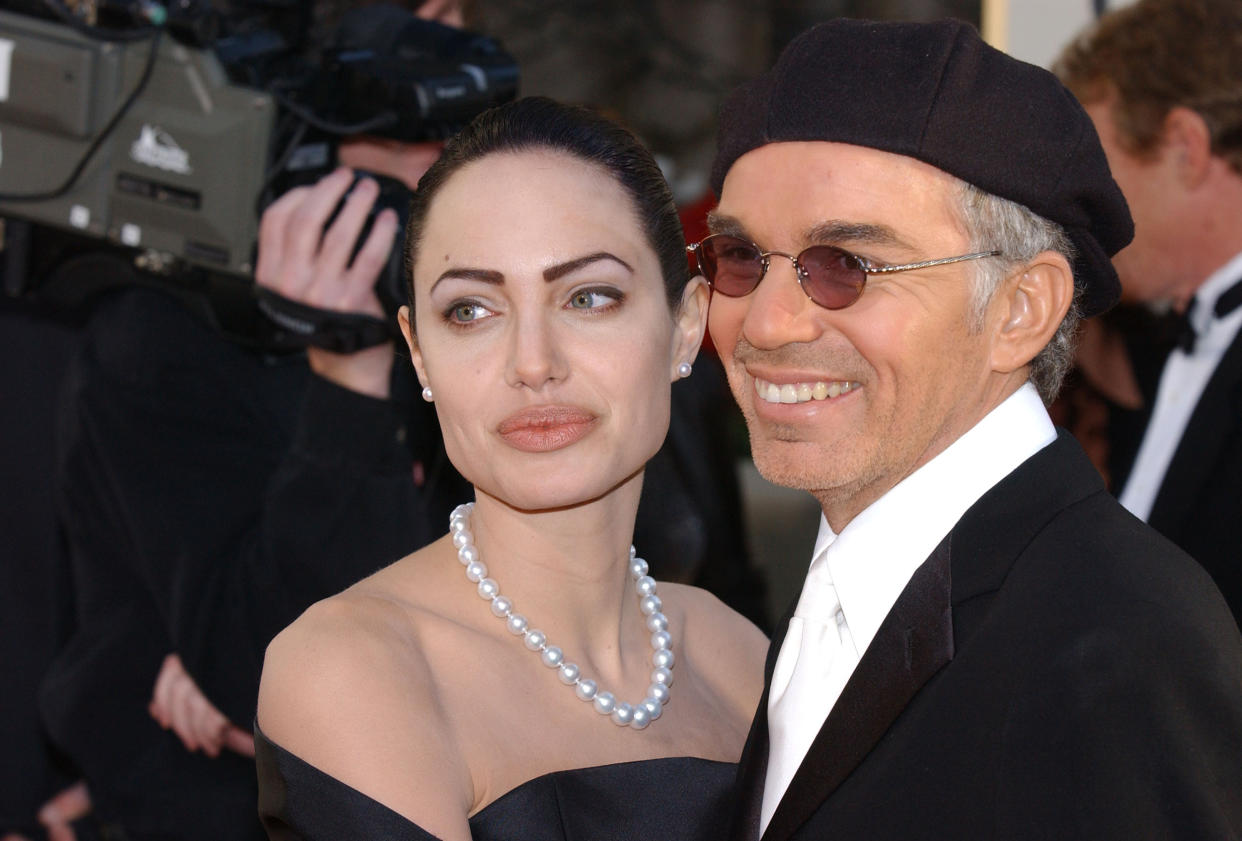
{"points": [[657, 622], [568, 673], [653, 708], [462, 538], [662, 659], [633, 552], [517, 624], [457, 524], [658, 692], [662, 674], [650, 604], [585, 689], [622, 715], [645, 586], [661, 639], [476, 571], [552, 656], [467, 555], [535, 640], [638, 568], [488, 588], [501, 605], [605, 703], [640, 717]]}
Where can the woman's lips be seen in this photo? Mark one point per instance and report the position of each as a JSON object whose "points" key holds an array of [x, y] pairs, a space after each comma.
{"points": [[546, 428]]}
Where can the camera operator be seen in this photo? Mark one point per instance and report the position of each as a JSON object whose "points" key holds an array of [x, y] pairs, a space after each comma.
{"points": [[209, 493]]}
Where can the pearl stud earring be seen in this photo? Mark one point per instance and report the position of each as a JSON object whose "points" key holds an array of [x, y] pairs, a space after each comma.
{"points": [[684, 369], [427, 395]]}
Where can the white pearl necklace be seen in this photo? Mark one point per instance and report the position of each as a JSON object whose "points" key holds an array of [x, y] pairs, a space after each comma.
{"points": [[637, 716]]}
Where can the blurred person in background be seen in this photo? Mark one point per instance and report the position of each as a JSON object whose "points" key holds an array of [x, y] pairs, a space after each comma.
{"points": [[1162, 82], [209, 492]]}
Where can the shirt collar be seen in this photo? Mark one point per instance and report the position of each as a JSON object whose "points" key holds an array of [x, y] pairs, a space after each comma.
{"points": [[872, 559], [1204, 312]]}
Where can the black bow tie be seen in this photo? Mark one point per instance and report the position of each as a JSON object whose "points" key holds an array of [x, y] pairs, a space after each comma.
{"points": [[1229, 301]]}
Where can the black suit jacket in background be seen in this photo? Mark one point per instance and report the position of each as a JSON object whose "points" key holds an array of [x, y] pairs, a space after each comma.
{"points": [[1055, 670], [1199, 504]]}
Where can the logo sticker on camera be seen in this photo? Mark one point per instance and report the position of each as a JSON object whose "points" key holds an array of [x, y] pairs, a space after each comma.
{"points": [[156, 147]]}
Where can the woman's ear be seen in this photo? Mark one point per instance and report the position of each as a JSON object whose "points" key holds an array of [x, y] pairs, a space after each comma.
{"points": [[411, 341], [1027, 310], [691, 324]]}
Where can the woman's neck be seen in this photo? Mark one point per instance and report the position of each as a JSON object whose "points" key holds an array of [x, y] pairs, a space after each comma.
{"points": [[566, 570]]}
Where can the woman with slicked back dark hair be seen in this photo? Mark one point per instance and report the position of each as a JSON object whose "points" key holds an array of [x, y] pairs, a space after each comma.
{"points": [[467, 691]]}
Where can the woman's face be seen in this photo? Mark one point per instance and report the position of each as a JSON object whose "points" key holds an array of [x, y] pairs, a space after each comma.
{"points": [[543, 329]]}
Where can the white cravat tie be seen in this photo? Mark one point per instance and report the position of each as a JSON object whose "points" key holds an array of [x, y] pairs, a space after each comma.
{"points": [[816, 660]]}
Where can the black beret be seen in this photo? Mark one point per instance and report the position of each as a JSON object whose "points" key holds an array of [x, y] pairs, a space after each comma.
{"points": [[938, 93]]}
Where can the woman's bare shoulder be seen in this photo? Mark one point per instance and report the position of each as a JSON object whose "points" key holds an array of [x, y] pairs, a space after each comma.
{"points": [[349, 689], [727, 648]]}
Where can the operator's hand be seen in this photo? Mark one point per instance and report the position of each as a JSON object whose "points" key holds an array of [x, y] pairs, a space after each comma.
{"points": [[301, 261], [178, 704], [57, 814]]}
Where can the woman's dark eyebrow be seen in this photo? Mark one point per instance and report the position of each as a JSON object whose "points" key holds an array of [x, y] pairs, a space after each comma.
{"points": [[484, 275], [549, 274], [561, 269]]}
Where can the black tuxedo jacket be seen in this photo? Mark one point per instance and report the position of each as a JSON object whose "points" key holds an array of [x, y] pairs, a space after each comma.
{"points": [[1055, 670], [1199, 505]]}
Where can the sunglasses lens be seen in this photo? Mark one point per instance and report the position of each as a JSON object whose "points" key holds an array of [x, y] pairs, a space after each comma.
{"points": [[834, 278], [732, 266]]}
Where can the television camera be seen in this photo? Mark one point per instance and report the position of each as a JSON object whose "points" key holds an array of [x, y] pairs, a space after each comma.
{"points": [[141, 140]]}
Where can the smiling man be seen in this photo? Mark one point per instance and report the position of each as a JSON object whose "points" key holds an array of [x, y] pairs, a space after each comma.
{"points": [[987, 645]]}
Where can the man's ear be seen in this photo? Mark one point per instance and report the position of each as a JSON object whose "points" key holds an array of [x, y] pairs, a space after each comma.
{"points": [[1028, 308], [1186, 138], [691, 324], [411, 341]]}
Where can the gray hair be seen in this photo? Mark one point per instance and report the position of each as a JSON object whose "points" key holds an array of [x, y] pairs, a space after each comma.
{"points": [[994, 223]]}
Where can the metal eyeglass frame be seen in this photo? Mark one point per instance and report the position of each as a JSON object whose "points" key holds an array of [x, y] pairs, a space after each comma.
{"points": [[866, 267]]}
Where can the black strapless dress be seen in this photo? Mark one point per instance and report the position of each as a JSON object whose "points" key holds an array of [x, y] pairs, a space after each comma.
{"points": [[676, 799]]}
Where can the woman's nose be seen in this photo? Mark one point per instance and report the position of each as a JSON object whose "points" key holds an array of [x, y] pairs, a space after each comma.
{"points": [[535, 354]]}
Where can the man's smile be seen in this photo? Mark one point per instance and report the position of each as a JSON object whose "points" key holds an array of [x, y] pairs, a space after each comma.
{"points": [[802, 392]]}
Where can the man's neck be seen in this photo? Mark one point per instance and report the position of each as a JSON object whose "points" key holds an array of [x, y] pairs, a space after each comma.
{"points": [[841, 505]]}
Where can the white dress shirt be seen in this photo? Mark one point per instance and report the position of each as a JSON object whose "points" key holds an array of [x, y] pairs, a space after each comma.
{"points": [[1182, 382], [856, 576]]}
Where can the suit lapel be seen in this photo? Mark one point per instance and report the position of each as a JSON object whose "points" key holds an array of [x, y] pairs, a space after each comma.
{"points": [[753, 769], [1213, 420], [913, 643]]}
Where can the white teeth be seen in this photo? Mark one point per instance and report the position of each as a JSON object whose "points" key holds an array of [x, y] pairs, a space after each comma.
{"points": [[801, 392]]}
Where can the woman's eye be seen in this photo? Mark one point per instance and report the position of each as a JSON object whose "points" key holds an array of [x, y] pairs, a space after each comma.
{"points": [[590, 299], [466, 312]]}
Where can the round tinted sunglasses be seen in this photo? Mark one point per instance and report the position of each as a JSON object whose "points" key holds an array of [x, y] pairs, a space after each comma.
{"points": [[831, 277]]}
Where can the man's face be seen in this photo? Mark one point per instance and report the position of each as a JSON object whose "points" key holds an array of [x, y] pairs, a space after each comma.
{"points": [[1151, 267], [908, 373]]}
